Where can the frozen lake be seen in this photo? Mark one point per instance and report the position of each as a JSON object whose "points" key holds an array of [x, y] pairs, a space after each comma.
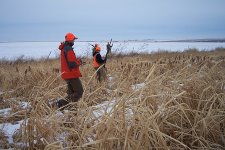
{"points": [[14, 50]]}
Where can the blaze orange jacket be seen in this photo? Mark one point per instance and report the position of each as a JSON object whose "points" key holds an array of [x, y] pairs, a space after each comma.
{"points": [[69, 63], [97, 60], [95, 63]]}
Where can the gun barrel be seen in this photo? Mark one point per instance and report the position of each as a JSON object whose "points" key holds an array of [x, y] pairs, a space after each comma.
{"points": [[91, 45]]}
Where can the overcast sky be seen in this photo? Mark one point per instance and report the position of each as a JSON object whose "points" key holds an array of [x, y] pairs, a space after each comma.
{"points": [[50, 20]]}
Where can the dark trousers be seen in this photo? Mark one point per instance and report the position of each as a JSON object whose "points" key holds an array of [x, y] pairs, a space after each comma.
{"points": [[101, 74], [74, 89], [74, 92]]}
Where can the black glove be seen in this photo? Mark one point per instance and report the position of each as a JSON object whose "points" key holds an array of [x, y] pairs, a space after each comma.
{"points": [[72, 65], [108, 46], [80, 60]]}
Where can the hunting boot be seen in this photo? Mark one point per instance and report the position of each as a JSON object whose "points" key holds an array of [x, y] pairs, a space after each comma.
{"points": [[61, 104]]}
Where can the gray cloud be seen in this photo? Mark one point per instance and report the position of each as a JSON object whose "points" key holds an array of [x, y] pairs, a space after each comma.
{"points": [[101, 19]]}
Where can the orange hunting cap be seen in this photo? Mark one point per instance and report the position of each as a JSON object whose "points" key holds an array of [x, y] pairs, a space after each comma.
{"points": [[70, 37]]}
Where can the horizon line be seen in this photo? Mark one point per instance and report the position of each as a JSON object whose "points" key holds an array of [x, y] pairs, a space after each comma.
{"points": [[134, 40]]}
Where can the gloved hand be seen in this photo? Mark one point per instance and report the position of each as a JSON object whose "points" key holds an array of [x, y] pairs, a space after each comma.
{"points": [[109, 47], [72, 64], [80, 60], [61, 45]]}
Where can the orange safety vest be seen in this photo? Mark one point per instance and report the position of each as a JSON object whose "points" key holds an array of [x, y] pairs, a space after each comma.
{"points": [[95, 63]]}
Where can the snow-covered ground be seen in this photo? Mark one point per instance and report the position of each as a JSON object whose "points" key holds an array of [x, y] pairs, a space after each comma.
{"points": [[13, 50], [98, 111]]}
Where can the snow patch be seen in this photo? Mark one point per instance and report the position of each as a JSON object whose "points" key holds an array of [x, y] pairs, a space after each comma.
{"points": [[5, 112], [138, 86], [24, 105], [105, 107], [9, 129]]}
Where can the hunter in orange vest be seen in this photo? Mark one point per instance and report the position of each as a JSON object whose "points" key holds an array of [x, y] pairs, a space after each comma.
{"points": [[98, 62], [70, 71]]}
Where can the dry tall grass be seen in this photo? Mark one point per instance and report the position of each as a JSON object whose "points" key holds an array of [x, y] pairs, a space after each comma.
{"points": [[158, 101]]}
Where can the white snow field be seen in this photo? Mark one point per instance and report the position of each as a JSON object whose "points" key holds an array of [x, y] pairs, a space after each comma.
{"points": [[36, 50]]}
